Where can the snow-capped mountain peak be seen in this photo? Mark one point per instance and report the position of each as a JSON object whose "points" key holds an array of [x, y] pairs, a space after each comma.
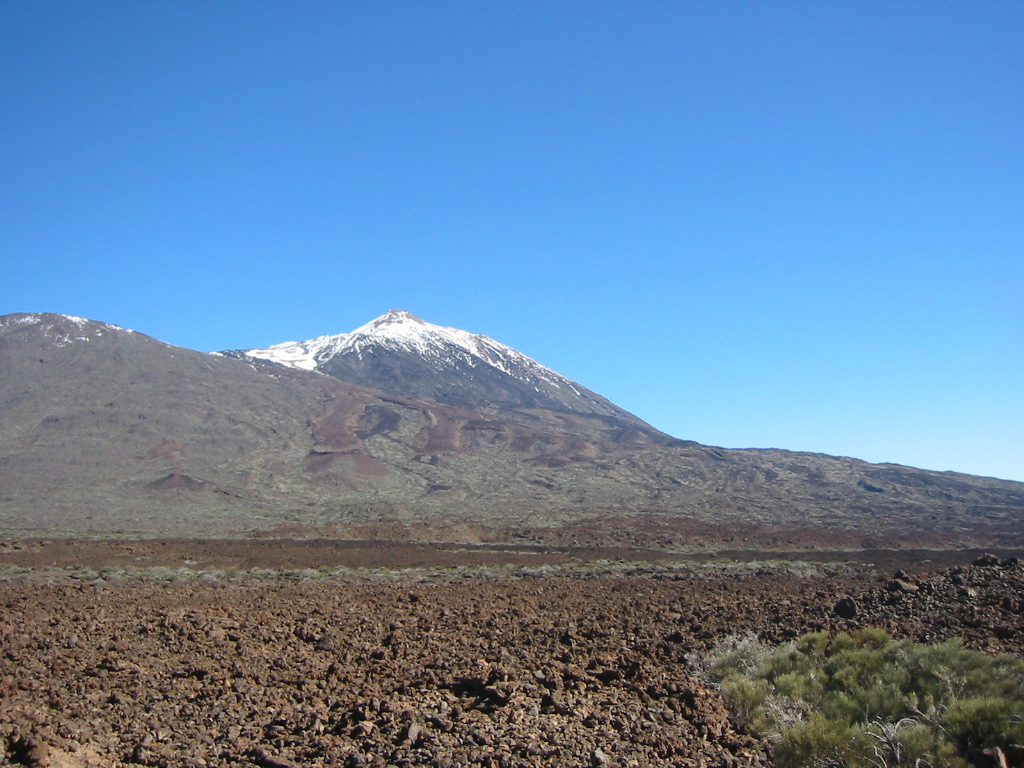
{"points": [[393, 317], [399, 328], [404, 355]]}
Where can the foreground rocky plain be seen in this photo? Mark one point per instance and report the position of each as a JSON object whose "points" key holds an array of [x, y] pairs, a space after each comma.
{"points": [[276, 653]]}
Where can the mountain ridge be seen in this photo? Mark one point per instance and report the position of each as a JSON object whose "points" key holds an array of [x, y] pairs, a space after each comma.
{"points": [[107, 430]]}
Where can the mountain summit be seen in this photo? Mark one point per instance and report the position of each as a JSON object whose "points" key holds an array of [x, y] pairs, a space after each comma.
{"points": [[401, 354]]}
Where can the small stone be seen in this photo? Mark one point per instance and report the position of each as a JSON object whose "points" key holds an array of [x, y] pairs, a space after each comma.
{"points": [[266, 760], [900, 585], [32, 751], [365, 728]]}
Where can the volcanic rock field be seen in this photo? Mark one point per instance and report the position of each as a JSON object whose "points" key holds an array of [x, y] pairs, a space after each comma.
{"points": [[490, 660]]}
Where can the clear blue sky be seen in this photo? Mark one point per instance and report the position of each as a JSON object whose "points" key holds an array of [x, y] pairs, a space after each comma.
{"points": [[795, 225]]}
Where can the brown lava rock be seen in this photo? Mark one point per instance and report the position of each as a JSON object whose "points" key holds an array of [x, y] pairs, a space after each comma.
{"points": [[445, 670]]}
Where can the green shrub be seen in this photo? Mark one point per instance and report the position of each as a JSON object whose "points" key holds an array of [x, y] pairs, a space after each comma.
{"points": [[745, 694], [982, 722], [820, 741], [908, 742], [866, 699]]}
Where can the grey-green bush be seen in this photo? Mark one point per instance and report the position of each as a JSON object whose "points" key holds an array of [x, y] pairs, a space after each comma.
{"points": [[865, 699]]}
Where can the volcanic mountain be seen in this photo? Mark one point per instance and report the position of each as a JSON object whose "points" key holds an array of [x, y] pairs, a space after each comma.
{"points": [[401, 354], [416, 431]]}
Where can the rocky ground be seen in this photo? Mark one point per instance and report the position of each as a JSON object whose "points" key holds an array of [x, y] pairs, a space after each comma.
{"points": [[562, 663]]}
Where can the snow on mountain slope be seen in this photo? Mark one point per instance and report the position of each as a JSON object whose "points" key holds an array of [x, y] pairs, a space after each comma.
{"points": [[400, 329], [403, 355], [34, 318], [61, 329]]}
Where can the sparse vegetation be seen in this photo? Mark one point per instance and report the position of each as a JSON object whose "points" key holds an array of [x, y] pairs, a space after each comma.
{"points": [[866, 700]]}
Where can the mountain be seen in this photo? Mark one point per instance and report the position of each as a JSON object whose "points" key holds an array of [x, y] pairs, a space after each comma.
{"points": [[401, 354], [104, 431]]}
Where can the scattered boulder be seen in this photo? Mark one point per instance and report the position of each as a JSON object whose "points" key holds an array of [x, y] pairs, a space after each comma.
{"points": [[846, 608]]}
